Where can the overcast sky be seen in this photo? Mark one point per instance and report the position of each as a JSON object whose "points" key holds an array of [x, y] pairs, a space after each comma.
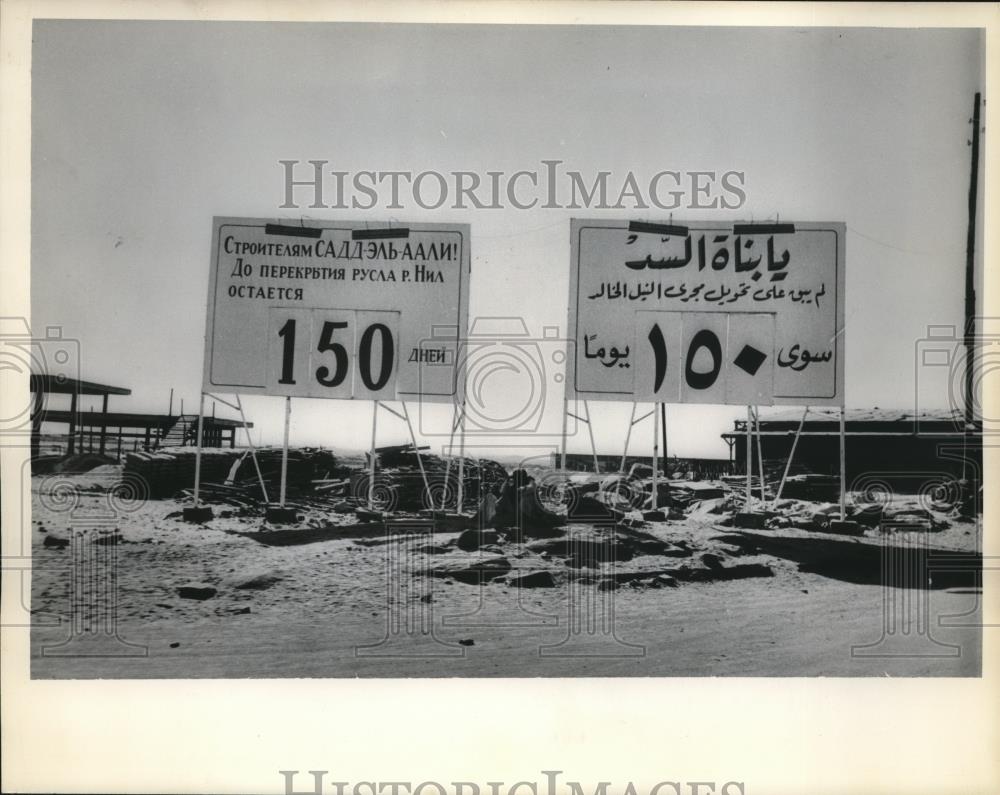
{"points": [[142, 131]]}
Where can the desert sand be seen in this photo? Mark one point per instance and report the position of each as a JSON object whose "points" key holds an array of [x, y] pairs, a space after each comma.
{"points": [[788, 602]]}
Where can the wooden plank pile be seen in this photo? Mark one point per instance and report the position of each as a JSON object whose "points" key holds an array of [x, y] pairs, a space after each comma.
{"points": [[231, 476], [167, 472], [399, 484]]}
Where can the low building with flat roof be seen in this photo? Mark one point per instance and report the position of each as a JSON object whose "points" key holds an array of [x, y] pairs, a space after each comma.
{"points": [[906, 448]]}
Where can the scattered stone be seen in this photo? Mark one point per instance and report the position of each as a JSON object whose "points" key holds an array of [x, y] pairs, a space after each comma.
{"points": [[427, 598], [605, 546], [536, 579], [239, 611], [847, 527], [752, 521], [633, 519], [482, 571], [633, 577], [738, 572], [811, 486], [198, 591], [275, 514], [870, 515], [52, 542], [434, 549], [663, 499], [198, 515], [907, 519], [711, 560], [820, 521], [705, 508], [584, 508], [521, 508], [471, 540], [259, 581]]}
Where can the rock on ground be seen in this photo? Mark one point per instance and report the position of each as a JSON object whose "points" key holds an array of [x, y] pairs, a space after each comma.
{"points": [[198, 591]]}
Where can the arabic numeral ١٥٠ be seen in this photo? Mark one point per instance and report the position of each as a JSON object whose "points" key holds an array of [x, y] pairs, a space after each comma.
{"points": [[706, 339]]}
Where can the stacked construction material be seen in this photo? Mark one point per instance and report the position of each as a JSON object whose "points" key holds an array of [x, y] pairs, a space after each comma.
{"points": [[233, 472], [167, 472], [815, 487], [400, 483]]}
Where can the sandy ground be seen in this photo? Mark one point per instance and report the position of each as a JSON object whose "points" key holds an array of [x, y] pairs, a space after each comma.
{"points": [[363, 606]]}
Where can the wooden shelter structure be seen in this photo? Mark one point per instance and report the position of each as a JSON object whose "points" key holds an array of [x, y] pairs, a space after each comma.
{"points": [[106, 432]]}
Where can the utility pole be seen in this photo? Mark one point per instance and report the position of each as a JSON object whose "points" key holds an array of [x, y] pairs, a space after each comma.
{"points": [[663, 431], [970, 275], [970, 293]]}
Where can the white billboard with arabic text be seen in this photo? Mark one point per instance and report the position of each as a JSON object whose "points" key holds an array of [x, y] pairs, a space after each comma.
{"points": [[707, 312]]}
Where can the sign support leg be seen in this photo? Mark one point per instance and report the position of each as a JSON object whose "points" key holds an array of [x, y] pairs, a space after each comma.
{"points": [[284, 452], [590, 431], [447, 462], [749, 458], [198, 513], [197, 454], [420, 461], [565, 424], [281, 514], [371, 459], [760, 455], [628, 437], [663, 434], [253, 450], [843, 465], [460, 497], [656, 456], [791, 455]]}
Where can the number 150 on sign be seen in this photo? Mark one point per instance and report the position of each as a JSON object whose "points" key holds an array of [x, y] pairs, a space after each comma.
{"points": [[332, 353]]}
